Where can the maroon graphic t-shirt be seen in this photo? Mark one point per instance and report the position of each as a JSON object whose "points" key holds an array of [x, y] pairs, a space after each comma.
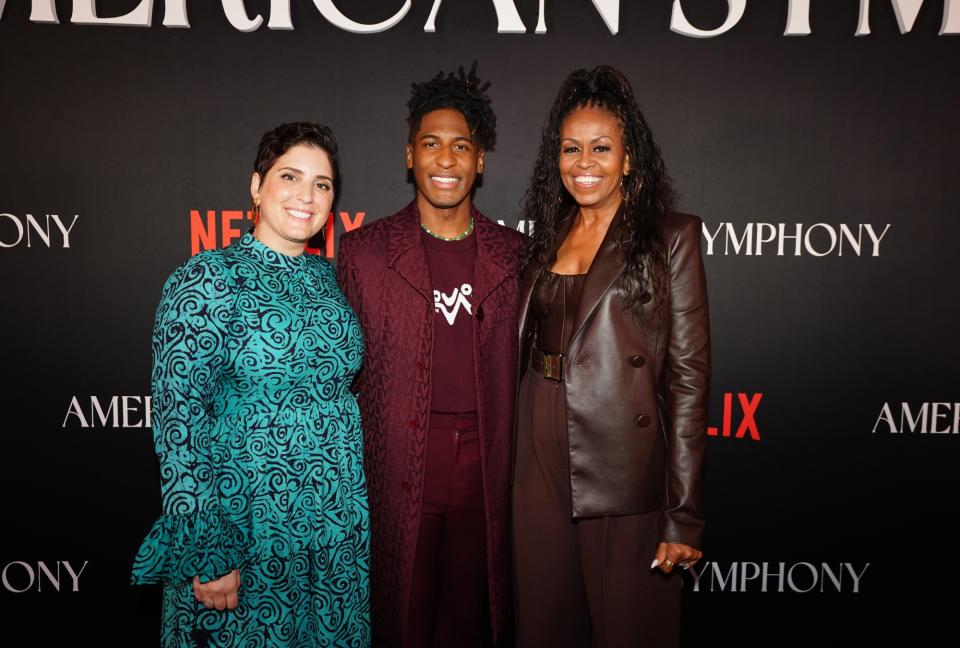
{"points": [[451, 273]]}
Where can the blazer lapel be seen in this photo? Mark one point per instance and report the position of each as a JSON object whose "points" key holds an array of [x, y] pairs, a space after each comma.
{"points": [[491, 268], [406, 254], [528, 279], [604, 271]]}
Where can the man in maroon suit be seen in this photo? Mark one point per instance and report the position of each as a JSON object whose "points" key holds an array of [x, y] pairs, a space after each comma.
{"points": [[435, 288]]}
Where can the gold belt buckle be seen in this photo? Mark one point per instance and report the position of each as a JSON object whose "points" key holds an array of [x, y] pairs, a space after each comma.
{"points": [[550, 365]]}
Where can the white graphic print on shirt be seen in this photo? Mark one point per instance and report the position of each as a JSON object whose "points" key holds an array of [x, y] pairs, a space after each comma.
{"points": [[450, 304]]}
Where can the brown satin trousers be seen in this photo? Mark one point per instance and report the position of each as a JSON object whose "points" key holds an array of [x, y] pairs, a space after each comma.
{"points": [[579, 583]]}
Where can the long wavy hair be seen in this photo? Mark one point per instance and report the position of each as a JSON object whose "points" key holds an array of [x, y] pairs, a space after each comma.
{"points": [[647, 190]]}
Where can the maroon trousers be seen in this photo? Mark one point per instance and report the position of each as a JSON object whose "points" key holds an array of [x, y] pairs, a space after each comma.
{"points": [[579, 583], [448, 598]]}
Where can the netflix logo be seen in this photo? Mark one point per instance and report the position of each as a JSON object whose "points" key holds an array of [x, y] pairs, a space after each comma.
{"points": [[212, 229], [743, 413]]}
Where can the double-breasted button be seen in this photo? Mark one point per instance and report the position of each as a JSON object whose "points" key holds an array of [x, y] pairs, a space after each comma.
{"points": [[638, 360], [645, 297], [643, 420]]}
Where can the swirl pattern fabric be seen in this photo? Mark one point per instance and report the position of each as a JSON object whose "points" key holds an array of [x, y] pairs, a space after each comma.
{"points": [[260, 450]]}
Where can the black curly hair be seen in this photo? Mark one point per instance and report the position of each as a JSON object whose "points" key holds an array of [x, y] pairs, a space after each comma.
{"points": [[647, 189], [464, 92]]}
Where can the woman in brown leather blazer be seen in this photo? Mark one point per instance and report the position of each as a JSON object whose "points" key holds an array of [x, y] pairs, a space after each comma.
{"points": [[615, 357]]}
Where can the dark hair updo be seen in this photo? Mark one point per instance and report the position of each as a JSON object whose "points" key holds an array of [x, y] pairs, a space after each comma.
{"points": [[647, 189]]}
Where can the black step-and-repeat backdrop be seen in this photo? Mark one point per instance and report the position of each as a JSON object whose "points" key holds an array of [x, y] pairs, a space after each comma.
{"points": [[818, 140]]}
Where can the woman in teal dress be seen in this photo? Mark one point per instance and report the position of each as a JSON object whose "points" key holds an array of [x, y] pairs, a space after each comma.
{"points": [[263, 539]]}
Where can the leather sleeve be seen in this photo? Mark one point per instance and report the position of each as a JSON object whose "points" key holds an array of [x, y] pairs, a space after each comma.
{"points": [[687, 380]]}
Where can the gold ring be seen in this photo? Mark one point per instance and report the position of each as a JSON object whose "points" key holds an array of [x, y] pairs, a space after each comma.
{"points": [[668, 562]]}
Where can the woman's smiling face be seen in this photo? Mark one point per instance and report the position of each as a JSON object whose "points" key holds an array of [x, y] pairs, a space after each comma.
{"points": [[593, 160], [295, 195]]}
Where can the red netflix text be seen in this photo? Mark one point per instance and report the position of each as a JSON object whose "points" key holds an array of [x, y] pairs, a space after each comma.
{"points": [[216, 229], [747, 427]]}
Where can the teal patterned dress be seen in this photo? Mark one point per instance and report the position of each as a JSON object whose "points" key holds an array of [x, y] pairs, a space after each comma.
{"points": [[260, 452]]}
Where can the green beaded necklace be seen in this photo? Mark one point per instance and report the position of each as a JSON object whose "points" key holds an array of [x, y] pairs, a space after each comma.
{"points": [[459, 237]]}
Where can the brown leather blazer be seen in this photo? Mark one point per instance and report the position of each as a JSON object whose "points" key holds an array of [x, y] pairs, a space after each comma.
{"points": [[636, 388]]}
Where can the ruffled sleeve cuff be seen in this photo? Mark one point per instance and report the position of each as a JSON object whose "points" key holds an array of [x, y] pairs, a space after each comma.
{"points": [[179, 547]]}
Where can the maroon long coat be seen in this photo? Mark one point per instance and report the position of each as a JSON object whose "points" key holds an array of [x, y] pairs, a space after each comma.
{"points": [[384, 274]]}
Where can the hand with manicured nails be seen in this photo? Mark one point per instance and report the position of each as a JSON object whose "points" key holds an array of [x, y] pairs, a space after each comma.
{"points": [[222, 593], [675, 554]]}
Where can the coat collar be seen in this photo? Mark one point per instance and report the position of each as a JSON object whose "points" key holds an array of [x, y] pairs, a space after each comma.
{"points": [[605, 269], [405, 252], [495, 262], [268, 256], [407, 255]]}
